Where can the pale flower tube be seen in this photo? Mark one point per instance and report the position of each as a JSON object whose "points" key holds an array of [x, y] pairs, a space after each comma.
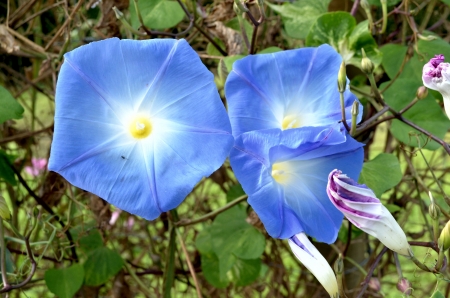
{"points": [[436, 76], [361, 207], [309, 256]]}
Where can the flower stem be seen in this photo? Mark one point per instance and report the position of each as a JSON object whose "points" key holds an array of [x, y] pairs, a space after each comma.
{"points": [[3, 254], [385, 15], [344, 121]]}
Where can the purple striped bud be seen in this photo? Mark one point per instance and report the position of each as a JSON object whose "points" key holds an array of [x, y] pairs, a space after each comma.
{"points": [[436, 76], [361, 207]]}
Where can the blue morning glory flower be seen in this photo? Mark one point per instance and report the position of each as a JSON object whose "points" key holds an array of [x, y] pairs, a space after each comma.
{"points": [[284, 90], [138, 123], [285, 175], [285, 112]]}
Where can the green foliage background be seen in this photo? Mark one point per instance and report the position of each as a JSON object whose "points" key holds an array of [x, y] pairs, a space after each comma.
{"points": [[61, 240]]}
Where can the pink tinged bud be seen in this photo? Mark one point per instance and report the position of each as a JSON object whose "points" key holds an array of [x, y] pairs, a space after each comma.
{"points": [[38, 165], [404, 286], [374, 284], [130, 223], [436, 76], [311, 258], [362, 208], [114, 216]]}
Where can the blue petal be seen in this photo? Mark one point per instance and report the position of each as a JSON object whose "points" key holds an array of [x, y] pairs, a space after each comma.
{"points": [[304, 205], [100, 85], [262, 89]]}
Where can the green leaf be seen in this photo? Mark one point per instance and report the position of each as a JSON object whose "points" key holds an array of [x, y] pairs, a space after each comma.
{"points": [[426, 113], [299, 16], [437, 294], [64, 283], [393, 56], [9, 262], [9, 107], [6, 173], [203, 242], [333, 28], [250, 243], [212, 50], [234, 24], [10, 267], [211, 272], [270, 50], [361, 38], [229, 242], [157, 14], [230, 60], [91, 241], [102, 264], [233, 235], [381, 173], [235, 192], [4, 209], [392, 208], [339, 30], [244, 272]]}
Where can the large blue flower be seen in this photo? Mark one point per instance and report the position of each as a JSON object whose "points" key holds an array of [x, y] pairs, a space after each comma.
{"points": [[288, 89], [285, 175], [138, 123]]}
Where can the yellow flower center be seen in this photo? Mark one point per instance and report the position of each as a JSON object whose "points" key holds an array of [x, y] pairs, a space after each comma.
{"points": [[140, 127], [291, 121], [280, 172]]}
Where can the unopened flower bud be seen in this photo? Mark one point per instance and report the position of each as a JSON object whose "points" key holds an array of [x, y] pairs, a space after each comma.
{"points": [[422, 92], [4, 210], [315, 262], [436, 76], [239, 7], [444, 238], [434, 210], [342, 78], [365, 4], [339, 265], [366, 64], [118, 13], [355, 108], [374, 284], [361, 207], [404, 286]]}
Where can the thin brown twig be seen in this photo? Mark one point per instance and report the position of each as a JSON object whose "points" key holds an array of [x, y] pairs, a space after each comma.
{"points": [[7, 287], [211, 214], [25, 135], [66, 23], [191, 268], [19, 12], [365, 283], [39, 13], [46, 207]]}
